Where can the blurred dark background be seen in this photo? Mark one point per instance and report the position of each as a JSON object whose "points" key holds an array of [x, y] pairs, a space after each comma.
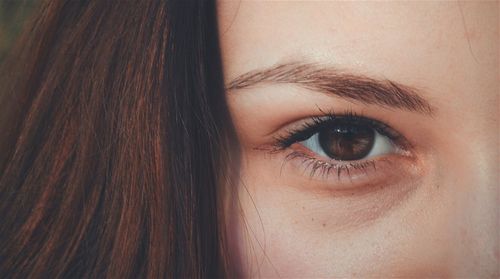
{"points": [[13, 14]]}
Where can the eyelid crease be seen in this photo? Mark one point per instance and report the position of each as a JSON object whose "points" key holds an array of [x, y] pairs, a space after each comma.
{"points": [[330, 81]]}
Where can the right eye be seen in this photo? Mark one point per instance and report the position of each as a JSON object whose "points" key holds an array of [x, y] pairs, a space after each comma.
{"points": [[348, 141], [346, 144]]}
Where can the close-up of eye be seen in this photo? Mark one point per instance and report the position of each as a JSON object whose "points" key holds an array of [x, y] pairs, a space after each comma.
{"points": [[341, 144], [344, 137], [348, 141]]}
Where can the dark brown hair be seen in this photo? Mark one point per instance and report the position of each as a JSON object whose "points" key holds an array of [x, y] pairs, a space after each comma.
{"points": [[115, 143]]}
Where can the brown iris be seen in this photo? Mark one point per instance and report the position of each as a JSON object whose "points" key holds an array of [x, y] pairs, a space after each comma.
{"points": [[346, 142]]}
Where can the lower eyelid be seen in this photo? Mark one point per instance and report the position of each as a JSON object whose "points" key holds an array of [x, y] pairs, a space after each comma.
{"points": [[339, 176]]}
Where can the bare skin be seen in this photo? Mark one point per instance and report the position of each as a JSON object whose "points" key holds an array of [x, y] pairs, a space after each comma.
{"points": [[427, 207]]}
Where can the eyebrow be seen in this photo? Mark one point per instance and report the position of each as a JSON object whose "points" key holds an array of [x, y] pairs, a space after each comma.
{"points": [[331, 81]]}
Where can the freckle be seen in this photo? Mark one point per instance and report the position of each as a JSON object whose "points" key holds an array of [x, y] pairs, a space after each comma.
{"points": [[324, 225], [303, 207], [312, 219]]}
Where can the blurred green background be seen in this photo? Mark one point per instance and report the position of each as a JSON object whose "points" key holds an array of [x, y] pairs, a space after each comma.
{"points": [[13, 14]]}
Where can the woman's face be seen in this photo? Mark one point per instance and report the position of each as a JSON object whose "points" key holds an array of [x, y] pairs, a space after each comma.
{"points": [[369, 136]]}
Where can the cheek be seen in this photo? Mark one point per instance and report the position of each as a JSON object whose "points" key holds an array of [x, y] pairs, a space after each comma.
{"points": [[291, 233]]}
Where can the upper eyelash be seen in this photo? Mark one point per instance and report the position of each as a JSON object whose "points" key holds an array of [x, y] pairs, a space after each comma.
{"points": [[315, 123]]}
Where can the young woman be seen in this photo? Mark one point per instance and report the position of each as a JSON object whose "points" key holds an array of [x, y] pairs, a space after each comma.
{"points": [[251, 139]]}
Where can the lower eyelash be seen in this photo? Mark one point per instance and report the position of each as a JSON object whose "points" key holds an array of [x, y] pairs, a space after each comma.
{"points": [[324, 169]]}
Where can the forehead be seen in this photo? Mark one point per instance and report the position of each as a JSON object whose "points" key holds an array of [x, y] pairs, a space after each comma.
{"points": [[410, 41]]}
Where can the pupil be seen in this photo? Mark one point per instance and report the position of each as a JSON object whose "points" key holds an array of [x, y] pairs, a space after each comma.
{"points": [[347, 142]]}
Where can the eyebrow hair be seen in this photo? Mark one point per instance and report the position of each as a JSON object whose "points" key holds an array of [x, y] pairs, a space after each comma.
{"points": [[329, 80]]}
